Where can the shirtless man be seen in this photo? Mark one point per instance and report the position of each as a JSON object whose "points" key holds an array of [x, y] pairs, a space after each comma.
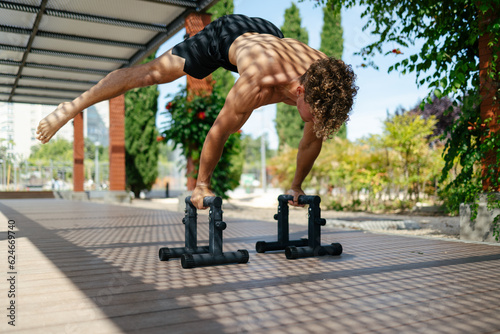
{"points": [[272, 69]]}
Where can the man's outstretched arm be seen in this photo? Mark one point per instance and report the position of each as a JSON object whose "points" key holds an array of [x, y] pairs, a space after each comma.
{"points": [[309, 149], [240, 103]]}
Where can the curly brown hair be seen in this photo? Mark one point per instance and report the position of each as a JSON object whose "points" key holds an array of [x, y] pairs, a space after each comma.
{"points": [[329, 89]]}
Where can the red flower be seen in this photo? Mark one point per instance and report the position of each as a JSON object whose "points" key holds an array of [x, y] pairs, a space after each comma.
{"points": [[201, 115], [160, 138], [472, 126], [240, 131], [397, 51], [168, 106]]}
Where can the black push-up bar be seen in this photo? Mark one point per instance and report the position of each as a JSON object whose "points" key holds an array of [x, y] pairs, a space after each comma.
{"points": [[295, 249], [193, 255]]}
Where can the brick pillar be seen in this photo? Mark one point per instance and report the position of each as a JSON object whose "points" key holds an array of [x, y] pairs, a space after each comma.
{"points": [[78, 153], [195, 22], [117, 176], [490, 109]]}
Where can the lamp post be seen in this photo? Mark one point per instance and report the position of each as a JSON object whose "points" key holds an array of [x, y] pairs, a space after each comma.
{"points": [[3, 172], [263, 160], [97, 186], [263, 173], [16, 180]]}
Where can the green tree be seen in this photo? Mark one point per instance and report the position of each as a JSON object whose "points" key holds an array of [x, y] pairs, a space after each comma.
{"points": [[252, 152], [3, 150], [141, 146], [58, 154], [409, 135], [90, 149], [445, 112], [289, 125], [372, 173], [59, 150], [251, 148], [224, 80], [221, 8], [282, 168], [191, 119], [332, 43], [448, 63]]}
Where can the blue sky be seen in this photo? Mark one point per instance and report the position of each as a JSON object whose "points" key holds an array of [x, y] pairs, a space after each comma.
{"points": [[379, 92]]}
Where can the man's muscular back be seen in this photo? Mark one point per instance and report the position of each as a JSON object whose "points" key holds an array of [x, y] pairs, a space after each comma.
{"points": [[271, 63]]}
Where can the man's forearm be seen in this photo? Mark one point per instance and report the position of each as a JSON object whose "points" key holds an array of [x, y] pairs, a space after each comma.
{"points": [[210, 156], [305, 161]]}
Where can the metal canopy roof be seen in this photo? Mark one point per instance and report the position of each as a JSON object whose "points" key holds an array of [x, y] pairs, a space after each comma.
{"points": [[53, 50]]}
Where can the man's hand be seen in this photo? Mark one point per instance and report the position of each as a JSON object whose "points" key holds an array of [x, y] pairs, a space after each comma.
{"points": [[296, 192], [199, 193]]}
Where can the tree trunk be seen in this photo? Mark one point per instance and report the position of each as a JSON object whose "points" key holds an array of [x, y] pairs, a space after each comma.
{"points": [[490, 108], [190, 172]]}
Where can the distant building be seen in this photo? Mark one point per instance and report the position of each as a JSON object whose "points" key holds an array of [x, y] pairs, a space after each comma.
{"points": [[96, 125], [18, 123]]}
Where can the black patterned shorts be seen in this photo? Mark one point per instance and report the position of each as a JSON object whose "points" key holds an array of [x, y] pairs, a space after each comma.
{"points": [[209, 49]]}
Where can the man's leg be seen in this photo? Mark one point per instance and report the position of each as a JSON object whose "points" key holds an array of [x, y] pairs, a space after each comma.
{"points": [[163, 69]]}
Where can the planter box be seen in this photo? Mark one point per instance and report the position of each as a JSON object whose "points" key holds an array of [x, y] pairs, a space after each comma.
{"points": [[25, 194], [480, 229]]}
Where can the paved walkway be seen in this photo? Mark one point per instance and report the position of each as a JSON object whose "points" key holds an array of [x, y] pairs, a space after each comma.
{"points": [[93, 268]]}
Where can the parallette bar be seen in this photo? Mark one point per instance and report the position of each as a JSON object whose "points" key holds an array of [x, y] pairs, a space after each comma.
{"points": [[303, 199], [263, 246], [195, 256], [293, 252], [207, 259], [190, 233], [309, 247], [167, 253], [215, 201]]}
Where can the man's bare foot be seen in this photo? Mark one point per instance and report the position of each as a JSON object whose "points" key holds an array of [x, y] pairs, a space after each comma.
{"points": [[48, 126]]}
